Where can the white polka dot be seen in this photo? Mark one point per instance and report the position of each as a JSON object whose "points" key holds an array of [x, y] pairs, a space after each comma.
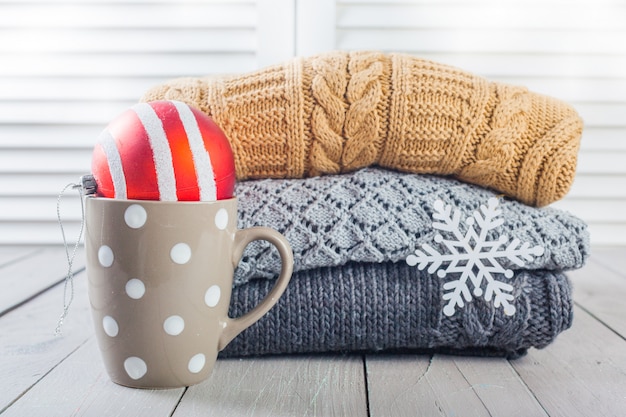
{"points": [[180, 253], [110, 326], [105, 256], [135, 288], [135, 367], [212, 296], [196, 363], [135, 216], [174, 325], [221, 219]]}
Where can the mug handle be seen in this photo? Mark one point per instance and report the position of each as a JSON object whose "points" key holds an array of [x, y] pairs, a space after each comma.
{"points": [[232, 327]]}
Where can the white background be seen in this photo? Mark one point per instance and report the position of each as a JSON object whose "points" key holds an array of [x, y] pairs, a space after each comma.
{"points": [[68, 67]]}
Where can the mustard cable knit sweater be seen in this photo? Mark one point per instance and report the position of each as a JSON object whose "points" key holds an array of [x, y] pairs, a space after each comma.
{"points": [[342, 111]]}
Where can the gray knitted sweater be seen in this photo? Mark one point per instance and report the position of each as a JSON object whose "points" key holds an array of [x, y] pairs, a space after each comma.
{"points": [[375, 215]]}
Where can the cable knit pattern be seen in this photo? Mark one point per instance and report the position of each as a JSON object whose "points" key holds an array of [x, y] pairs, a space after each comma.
{"points": [[377, 215], [387, 306], [341, 111], [329, 113], [363, 139], [496, 151]]}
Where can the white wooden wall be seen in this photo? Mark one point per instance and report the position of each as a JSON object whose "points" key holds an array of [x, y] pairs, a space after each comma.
{"points": [[68, 67]]}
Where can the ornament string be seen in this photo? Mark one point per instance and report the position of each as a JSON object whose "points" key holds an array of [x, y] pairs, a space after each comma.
{"points": [[69, 278]]}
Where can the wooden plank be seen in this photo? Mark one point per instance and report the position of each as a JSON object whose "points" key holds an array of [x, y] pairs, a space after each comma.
{"points": [[499, 387], [583, 373], [11, 254], [602, 291], [280, 386], [79, 386], [613, 258], [447, 385], [29, 348], [23, 280]]}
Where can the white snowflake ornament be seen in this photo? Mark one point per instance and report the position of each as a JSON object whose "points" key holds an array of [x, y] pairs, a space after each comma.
{"points": [[473, 257]]}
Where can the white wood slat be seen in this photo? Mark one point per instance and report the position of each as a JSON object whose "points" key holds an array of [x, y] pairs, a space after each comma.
{"points": [[24, 279], [597, 186], [127, 1], [316, 25], [276, 41], [21, 209], [42, 232], [148, 40], [581, 374], [595, 209], [607, 234], [280, 386], [602, 115], [602, 162], [85, 88], [479, 15], [52, 161], [40, 112], [129, 15], [49, 136], [530, 65], [423, 40], [604, 138], [32, 185], [125, 65], [28, 347], [91, 392], [573, 90], [408, 385]]}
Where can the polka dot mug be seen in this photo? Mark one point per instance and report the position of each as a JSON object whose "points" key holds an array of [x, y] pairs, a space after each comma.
{"points": [[160, 278]]}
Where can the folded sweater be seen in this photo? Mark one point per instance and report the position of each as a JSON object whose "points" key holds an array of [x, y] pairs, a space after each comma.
{"points": [[341, 111], [377, 215], [393, 306]]}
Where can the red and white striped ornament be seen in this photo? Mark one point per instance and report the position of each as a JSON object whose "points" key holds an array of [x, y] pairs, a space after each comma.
{"points": [[164, 150]]}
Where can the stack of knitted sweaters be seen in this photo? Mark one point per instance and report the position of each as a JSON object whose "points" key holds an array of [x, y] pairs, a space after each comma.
{"points": [[411, 193]]}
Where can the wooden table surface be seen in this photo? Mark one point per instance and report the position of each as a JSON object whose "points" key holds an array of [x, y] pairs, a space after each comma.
{"points": [[583, 373]]}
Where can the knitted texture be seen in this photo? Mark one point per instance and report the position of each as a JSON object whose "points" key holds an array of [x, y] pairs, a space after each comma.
{"points": [[378, 215], [387, 306], [342, 111]]}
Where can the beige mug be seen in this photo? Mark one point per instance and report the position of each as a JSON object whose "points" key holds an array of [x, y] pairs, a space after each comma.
{"points": [[160, 279]]}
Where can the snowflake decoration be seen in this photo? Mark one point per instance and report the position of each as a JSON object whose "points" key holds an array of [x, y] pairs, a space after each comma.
{"points": [[473, 257]]}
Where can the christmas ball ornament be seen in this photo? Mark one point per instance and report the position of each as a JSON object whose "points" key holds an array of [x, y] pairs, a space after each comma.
{"points": [[163, 150]]}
